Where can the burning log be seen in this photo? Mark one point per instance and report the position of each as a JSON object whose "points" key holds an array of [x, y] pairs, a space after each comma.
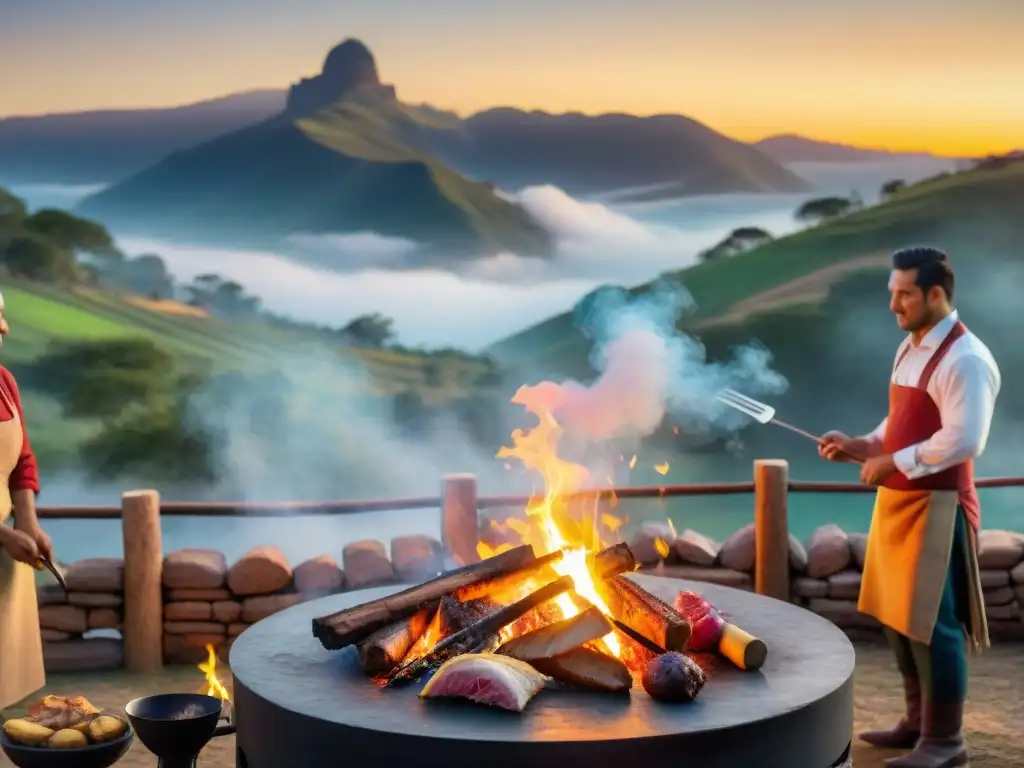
{"points": [[540, 569], [455, 615], [588, 668], [604, 564], [613, 561], [384, 650], [558, 638], [645, 614], [351, 625], [478, 636]]}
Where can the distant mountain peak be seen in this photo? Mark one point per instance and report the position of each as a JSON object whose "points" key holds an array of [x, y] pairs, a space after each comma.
{"points": [[350, 66]]}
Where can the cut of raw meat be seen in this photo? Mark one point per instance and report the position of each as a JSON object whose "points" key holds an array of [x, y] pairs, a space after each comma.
{"points": [[706, 624], [486, 678]]}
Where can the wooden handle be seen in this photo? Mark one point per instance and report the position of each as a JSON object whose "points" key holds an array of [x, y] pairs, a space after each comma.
{"points": [[742, 648]]}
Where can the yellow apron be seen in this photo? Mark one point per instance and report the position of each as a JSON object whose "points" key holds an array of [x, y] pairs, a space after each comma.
{"points": [[21, 647], [908, 552]]}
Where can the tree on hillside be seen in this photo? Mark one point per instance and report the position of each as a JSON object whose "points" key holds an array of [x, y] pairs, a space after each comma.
{"points": [[751, 236], [134, 389], [222, 297], [145, 275], [824, 209], [892, 187], [490, 376], [410, 413], [34, 257], [161, 443], [71, 233], [12, 210], [738, 241], [433, 373], [373, 330], [104, 378]]}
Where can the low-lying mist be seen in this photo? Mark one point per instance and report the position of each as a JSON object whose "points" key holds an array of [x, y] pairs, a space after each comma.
{"points": [[469, 304]]}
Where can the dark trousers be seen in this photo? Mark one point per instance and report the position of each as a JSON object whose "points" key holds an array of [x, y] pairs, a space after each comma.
{"points": [[941, 665]]}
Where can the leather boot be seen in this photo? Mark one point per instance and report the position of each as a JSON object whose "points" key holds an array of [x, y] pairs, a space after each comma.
{"points": [[942, 742], [908, 730]]}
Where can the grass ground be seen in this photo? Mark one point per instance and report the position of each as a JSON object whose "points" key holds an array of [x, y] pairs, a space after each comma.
{"points": [[994, 717]]}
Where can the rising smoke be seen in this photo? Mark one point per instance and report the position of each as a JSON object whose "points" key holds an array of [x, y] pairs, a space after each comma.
{"points": [[314, 429], [648, 369]]}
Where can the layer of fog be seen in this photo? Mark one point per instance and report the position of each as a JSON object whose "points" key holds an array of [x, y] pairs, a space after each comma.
{"points": [[475, 302]]}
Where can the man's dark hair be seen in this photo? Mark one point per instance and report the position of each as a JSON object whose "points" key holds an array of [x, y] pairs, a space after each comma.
{"points": [[932, 265]]}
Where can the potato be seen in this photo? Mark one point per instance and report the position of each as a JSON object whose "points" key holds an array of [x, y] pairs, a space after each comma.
{"points": [[68, 738], [82, 726], [26, 732], [106, 728], [673, 676]]}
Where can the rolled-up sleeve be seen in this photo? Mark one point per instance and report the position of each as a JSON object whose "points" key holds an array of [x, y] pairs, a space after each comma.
{"points": [[25, 475], [968, 400]]}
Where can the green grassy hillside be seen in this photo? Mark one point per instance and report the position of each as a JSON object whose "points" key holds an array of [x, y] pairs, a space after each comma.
{"points": [[349, 168], [977, 215], [41, 315]]}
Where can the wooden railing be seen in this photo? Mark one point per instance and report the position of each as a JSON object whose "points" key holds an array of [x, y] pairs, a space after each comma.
{"points": [[315, 508], [459, 504]]}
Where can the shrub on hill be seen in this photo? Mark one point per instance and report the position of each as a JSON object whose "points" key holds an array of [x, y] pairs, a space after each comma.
{"points": [[824, 209]]}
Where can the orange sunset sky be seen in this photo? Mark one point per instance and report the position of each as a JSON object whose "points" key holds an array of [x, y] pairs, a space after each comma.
{"points": [[946, 76]]}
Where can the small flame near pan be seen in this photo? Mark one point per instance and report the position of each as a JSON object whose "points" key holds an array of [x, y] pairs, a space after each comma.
{"points": [[213, 687]]}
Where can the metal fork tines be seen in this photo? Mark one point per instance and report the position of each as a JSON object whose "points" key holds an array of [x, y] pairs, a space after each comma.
{"points": [[757, 410]]}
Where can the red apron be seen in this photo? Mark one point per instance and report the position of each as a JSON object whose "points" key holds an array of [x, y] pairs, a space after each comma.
{"points": [[912, 527]]}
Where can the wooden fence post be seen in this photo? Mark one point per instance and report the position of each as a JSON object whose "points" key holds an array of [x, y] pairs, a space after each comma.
{"points": [[460, 526], [771, 527], [143, 573]]}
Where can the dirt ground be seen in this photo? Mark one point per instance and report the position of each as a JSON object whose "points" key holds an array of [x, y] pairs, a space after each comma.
{"points": [[812, 287], [994, 720]]}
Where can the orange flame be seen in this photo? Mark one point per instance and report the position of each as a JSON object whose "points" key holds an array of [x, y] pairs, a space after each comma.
{"points": [[556, 524], [214, 687]]}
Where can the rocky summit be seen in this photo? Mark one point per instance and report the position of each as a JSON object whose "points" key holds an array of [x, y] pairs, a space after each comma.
{"points": [[349, 67]]}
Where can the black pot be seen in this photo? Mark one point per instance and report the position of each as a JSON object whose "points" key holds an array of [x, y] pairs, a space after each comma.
{"points": [[92, 756], [176, 726]]}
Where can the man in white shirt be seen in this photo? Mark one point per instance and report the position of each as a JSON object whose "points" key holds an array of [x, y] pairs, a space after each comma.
{"points": [[921, 578]]}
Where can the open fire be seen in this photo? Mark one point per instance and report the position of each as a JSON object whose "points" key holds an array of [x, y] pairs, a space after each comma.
{"points": [[213, 686], [570, 615]]}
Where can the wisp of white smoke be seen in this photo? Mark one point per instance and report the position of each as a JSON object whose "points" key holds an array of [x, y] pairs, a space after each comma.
{"points": [[648, 369]]}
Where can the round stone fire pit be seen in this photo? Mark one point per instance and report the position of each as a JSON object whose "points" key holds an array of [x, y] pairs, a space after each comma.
{"points": [[299, 706]]}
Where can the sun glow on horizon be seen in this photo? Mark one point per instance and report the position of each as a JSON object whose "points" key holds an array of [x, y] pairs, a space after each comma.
{"points": [[865, 75]]}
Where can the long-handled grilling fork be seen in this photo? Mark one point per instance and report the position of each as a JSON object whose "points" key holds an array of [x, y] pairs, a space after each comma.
{"points": [[763, 413]]}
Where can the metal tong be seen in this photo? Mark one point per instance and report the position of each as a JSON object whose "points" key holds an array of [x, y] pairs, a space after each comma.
{"points": [[765, 414], [48, 564]]}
